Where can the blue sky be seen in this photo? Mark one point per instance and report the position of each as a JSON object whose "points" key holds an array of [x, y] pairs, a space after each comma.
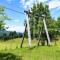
{"points": [[17, 22]]}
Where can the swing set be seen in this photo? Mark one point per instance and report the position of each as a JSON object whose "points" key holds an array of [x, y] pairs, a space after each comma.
{"points": [[27, 28]]}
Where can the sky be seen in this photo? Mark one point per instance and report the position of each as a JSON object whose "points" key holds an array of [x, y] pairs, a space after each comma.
{"points": [[17, 22]]}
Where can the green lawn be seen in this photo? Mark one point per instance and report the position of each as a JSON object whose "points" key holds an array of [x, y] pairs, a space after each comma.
{"points": [[10, 50]]}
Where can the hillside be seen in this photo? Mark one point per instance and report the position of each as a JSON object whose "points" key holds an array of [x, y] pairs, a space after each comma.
{"points": [[7, 32]]}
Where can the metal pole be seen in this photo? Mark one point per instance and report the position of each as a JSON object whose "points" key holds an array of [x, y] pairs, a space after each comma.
{"points": [[46, 31]]}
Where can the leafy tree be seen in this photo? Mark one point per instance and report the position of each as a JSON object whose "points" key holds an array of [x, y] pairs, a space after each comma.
{"points": [[3, 17], [36, 21], [58, 25], [58, 22], [13, 35]]}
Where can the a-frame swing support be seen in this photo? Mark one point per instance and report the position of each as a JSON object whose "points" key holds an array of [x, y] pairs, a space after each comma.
{"points": [[23, 34], [46, 30], [27, 27]]}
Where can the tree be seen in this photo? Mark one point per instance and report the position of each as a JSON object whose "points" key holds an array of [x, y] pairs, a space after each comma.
{"points": [[36, 19], [3, 17], [58, 25], [58, 22], [13, 35]]}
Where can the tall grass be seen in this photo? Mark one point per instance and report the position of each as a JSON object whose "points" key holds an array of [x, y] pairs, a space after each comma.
{"points": [[11, 48]]}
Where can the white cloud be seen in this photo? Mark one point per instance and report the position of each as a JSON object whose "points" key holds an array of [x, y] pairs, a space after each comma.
{"points": [[16, 28], [42, 0], [54, 4], [30, 2], [26, 3]]}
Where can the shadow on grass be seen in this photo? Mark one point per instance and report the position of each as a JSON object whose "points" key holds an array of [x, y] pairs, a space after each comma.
{"points": [[38, 46], [9, 56]]}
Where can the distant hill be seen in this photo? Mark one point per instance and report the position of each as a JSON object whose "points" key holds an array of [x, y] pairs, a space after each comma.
{"points": [[4, 32], [7, 32]]}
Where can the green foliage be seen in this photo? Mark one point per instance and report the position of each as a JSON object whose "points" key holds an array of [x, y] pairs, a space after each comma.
{"points": [[36, 18], [9, 56], [13, 35], [3, 17], [36, 22], [58, 22], [1, 9], [10, 35], [2, 25]]}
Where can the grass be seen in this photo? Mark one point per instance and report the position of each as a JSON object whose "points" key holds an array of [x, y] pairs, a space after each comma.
{"points": [[10, 50]]}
